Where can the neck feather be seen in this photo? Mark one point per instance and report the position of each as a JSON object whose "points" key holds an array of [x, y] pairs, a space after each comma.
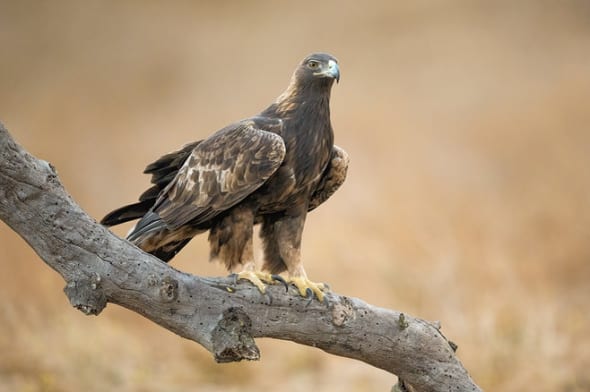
{"points": [[298, 95]]}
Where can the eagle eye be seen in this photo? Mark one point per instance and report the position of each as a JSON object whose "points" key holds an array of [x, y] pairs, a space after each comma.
{"points": [[313, 64]]}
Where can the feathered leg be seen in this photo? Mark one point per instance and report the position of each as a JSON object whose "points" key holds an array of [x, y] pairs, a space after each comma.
{"points": [[231, 242], [282, 248]]}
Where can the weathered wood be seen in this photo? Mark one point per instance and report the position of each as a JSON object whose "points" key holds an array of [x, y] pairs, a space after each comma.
{"points": [[218, 313]]}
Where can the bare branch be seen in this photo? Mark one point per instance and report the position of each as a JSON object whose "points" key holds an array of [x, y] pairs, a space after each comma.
{"points": [[218, 313]]}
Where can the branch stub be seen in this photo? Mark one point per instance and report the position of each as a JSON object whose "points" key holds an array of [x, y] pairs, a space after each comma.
{"points": [[232, 338], [86, 295]]}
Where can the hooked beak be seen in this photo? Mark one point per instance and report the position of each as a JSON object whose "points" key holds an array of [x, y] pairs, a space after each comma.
{"points": [[332, 71]]}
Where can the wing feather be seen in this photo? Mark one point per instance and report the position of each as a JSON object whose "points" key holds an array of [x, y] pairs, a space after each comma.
{"points": [[220, 172], [332, 178]]}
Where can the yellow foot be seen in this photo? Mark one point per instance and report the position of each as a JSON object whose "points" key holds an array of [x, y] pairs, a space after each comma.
{"points": [[258, 278], [307, 288]]}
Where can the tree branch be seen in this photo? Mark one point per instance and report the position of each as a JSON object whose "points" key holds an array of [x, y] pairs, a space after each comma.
{"points": [[217, 313]]}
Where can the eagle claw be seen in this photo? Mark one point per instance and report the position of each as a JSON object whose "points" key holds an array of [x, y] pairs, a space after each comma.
{"points": [[258, 279], [253, 277], [307, 288], [280, 279]]}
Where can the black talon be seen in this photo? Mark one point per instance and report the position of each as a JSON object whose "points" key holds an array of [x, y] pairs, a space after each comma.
{"points": [[279, 278], [309, 296]]}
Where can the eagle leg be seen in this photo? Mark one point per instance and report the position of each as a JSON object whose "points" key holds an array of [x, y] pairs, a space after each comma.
{"points": [[282, 250]]}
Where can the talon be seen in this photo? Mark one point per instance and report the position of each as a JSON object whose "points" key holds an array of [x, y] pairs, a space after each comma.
{"points": [[308, 288], [256, 278], [279, 278]]}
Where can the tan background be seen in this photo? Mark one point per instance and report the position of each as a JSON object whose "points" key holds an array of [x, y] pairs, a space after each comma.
{"points": [[467, 199]]}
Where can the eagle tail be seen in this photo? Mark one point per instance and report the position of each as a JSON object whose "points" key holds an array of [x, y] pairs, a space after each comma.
{"points": [[152, 235], [127, 213], [169, 250], [149, 223]]}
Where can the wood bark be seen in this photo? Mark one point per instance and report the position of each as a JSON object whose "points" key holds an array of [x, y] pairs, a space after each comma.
{"points": [[222, 315]]}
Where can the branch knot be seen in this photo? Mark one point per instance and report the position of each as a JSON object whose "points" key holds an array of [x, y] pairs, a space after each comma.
{"points": [[342, 312], [86, 294], [232, 338], [169, 289]]}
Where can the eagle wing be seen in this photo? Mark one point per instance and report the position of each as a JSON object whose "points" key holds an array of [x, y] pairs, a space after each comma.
{"points": [[163, 171], [332, 177], [165, 168], [221, 171]]}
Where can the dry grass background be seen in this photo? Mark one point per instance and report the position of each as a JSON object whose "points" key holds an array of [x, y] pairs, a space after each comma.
{"points": [[467, 201]]}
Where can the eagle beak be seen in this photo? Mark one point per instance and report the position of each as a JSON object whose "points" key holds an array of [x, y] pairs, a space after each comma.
{"points": [[332, 71]]}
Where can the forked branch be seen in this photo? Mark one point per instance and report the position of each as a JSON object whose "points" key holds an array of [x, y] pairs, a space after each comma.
{"points": [[219, 314]]}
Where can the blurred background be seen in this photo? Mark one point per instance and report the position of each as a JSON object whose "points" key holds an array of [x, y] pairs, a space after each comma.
{"points": [[467, 199]]}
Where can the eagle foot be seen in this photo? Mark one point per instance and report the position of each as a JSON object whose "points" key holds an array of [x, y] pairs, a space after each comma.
{"points": [[258, 279], [307, 288], [281, 280]]}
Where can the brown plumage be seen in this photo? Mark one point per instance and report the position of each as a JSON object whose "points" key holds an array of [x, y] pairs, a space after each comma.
{"points": [[270, 169]]}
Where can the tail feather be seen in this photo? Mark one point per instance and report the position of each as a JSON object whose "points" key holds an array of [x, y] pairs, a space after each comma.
{"points": [[151, 233], [169, 250], [149, 223], [127, 213]]}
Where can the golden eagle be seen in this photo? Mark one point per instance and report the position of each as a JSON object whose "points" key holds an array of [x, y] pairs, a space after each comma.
{"points": [[270, 169]]}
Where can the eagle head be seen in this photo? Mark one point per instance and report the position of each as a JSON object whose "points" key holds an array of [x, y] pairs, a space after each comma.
{"points": [[318, 67], [312, 78]]}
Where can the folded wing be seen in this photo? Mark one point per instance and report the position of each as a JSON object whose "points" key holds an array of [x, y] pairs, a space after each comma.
{"points": [[221, 171]]}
